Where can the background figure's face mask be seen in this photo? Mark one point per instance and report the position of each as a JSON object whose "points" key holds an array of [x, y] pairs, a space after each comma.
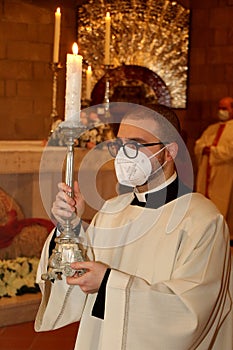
{"points": [[223, 114]]}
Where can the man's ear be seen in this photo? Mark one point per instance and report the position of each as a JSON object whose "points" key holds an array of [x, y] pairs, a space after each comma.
{"points": [[172, 150]]}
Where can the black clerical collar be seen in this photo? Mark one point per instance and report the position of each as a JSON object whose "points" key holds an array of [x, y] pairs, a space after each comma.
{"points": [[142, 195], [167, 194]]}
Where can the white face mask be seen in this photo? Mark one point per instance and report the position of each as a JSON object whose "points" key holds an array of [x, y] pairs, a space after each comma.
{"points": [[136, 171], [223, 114]]}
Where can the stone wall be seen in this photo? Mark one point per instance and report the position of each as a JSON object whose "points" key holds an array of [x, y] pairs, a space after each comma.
{"points": [[26, 36], [211, 63]]}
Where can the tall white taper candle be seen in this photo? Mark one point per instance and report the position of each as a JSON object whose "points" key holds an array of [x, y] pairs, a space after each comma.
{"points": [[107, 38], [57, 30], [88, 82]]}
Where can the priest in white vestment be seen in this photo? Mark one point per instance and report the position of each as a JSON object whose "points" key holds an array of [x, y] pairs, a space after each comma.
{"points": [[158, 269], [214, 156]]}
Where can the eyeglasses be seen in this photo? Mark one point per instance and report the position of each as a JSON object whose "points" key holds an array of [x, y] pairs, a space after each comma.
{"points": [[130, 148]]}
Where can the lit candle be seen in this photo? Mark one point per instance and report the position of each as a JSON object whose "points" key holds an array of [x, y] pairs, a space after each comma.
{"points": [[57, 30], [88, 82], [73, 85], [107, 38]]}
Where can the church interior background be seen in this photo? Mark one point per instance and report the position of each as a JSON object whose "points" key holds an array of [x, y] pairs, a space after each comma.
{"points": [[178, 53]]}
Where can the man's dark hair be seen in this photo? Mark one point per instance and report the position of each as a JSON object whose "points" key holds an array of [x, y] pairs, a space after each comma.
{"points": [[169, 125], [168, 114]]}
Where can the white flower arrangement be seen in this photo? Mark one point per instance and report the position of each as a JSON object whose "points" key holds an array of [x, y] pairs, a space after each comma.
{"points": [[97, 131], [18, 276]]}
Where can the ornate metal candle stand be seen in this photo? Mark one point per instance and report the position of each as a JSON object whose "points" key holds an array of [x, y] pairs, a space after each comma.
{"points": [[85, 103], [54, 118], [67, 244], [107, 91]]}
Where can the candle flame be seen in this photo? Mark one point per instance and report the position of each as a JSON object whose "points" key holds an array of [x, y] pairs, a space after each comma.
{"points": [[108, 14], [75, 48], [89, 68], [58, 10]]}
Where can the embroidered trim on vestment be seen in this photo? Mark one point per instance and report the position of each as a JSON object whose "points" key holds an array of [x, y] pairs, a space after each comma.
{"points": [[126, 315], [63, 306]]}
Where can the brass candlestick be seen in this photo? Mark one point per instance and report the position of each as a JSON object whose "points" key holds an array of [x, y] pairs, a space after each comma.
{"points": [[67, 244]]}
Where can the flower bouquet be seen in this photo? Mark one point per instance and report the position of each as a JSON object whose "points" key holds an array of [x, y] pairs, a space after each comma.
{"points": [[18, 276]]}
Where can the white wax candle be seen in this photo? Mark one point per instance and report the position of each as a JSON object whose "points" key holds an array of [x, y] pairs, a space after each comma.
{"points": [[73, 85], [57, 30], [88, 82], [107, 38]]}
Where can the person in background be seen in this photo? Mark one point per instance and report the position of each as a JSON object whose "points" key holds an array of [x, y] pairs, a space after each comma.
{"points": [[214, 158], [158, 258]]}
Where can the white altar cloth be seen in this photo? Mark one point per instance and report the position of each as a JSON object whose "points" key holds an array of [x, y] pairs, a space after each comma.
{"points": [[21, 168]]}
